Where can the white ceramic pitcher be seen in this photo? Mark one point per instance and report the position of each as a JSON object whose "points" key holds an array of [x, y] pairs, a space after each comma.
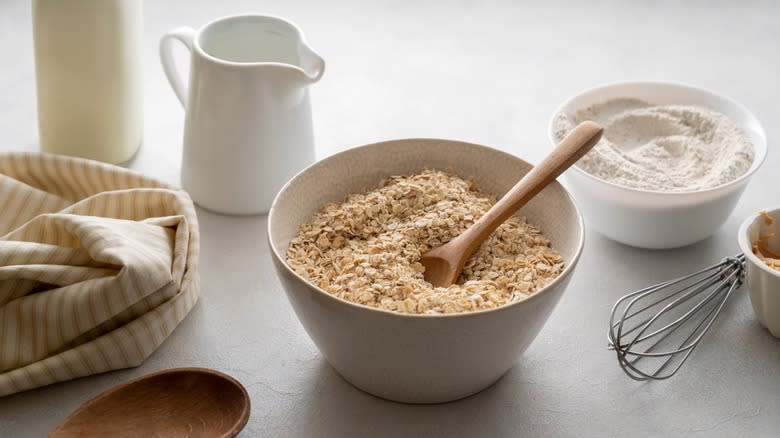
{"points": [[248, 125]]}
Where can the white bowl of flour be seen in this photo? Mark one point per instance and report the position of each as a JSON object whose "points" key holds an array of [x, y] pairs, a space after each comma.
{"points": [[672, 163]]}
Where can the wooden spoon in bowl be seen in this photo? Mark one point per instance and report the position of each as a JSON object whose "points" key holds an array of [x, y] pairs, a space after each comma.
{"points": [[178, 402], [444, 264]]}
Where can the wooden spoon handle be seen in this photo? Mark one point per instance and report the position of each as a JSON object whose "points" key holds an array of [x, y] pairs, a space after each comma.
{"points": [[579, 141]]}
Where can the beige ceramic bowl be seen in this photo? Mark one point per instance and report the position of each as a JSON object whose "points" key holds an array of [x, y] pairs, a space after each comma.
{"points": [[419, 358]]}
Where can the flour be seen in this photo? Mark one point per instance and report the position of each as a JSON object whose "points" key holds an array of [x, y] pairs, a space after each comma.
{"points": [[672, 148]]}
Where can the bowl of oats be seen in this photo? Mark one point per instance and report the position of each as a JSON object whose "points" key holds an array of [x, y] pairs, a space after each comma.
{"points": [[346, 236]]}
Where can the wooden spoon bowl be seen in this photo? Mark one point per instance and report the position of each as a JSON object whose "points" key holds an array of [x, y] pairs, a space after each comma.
{"points": [[444, 264], [181, 402]]}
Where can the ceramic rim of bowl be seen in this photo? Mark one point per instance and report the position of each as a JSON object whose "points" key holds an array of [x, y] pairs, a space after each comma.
{"points": [[567, 270], [760, 151], [747, 246]]}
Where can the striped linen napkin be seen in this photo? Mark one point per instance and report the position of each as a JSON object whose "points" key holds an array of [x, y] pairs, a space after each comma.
{"points": [[98, 265]]}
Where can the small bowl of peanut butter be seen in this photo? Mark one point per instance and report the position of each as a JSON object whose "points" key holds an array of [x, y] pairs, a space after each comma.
{"points": [[759, 239]]}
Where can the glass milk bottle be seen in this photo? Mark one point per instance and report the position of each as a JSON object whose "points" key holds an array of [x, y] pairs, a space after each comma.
{"points": [[88, 68]]}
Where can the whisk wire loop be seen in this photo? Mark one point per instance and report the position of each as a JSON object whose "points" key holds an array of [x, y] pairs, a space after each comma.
{"points": [[647, 325]]}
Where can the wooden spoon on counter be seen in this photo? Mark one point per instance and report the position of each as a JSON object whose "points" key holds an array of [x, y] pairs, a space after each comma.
{"points": [[180, 402], [444, 264]]}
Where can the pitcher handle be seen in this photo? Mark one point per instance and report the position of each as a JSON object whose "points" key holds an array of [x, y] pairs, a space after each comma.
{"points": [[186, 36]]}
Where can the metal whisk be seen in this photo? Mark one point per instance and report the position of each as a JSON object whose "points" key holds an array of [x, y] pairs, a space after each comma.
{"points": [[654, 330]]}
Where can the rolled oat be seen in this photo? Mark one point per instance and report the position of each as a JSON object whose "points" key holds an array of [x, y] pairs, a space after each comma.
{"points": [[367, 248]]}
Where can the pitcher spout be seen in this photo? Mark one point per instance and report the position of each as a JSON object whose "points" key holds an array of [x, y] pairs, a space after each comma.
{"points": [[312, 64]]}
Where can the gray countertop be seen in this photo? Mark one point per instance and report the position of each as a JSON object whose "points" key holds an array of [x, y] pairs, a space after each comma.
{"points": [[490, 73]]}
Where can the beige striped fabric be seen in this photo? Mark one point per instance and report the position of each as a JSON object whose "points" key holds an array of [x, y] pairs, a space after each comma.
{"points": [[98, 265]]}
